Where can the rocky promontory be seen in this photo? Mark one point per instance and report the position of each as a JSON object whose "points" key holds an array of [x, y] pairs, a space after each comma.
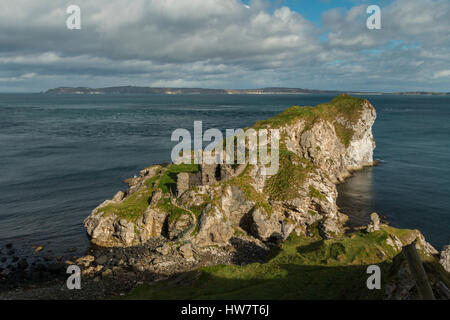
{"points": [[207, 214], [229, 231], [207, 204]]}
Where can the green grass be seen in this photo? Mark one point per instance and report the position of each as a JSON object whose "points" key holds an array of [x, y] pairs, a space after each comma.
{"points": [[405, 235], [312, 212], [197, 210], [292, 173], [344, 134], [174, 211], [343, 106], [135, 205], [168, 180], [314, 193], [300, 269], [360, 249], [287, 117]]}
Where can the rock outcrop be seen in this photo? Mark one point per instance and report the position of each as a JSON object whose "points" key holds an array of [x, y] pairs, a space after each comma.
{"points": [[207, 204], [445, 258], [374, 223]]}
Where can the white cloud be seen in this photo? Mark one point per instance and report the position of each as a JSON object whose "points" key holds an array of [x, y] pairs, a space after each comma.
{"points": [[442, 74], [223, 43]]}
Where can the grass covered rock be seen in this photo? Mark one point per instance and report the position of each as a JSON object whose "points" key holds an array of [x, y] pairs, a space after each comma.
{"points": [[206, 203]]}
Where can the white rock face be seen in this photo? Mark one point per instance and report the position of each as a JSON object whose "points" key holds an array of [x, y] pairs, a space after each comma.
{"points": [[323, 147], [360, 151]]}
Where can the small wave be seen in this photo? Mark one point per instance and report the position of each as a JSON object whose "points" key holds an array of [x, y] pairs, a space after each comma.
{"points": [[397, 110]]}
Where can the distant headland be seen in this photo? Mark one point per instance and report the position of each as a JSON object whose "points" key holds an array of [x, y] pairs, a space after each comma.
{"points": [[175, 91]]}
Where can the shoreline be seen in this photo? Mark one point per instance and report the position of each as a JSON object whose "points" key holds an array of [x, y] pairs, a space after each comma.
{"points": [[47, 279], [164, 256], [46, 257], [40, 274], [82, 241]]}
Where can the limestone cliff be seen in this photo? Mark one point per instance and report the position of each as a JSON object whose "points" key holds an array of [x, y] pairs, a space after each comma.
{"points": [[208, 204]]}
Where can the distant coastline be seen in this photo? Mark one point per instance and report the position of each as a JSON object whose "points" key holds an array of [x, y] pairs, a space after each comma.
{"points": [[179, 91]]}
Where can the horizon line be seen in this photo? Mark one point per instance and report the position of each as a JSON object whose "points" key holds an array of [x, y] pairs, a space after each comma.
{"points": [[417, 92]]}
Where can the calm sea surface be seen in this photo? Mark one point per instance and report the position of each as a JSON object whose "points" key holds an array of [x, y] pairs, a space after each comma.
{"points": [[60, 156]]}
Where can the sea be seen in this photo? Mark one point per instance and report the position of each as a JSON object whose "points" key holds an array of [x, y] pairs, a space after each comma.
{"points": [[62, 155]]}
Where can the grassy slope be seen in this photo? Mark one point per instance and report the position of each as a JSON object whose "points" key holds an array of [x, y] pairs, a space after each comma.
{"points": [[300, 269], [343, 106], [135, 205], [292, 173]]}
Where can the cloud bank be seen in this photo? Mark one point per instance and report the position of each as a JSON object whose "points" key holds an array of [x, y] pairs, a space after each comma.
{"points": [[223, 44]]}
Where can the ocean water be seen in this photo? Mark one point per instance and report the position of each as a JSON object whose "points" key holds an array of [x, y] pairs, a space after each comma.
{"points": [[61, 156]]}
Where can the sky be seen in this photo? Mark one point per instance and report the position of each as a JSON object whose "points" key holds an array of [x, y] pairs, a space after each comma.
{"points": [[230, 44]]}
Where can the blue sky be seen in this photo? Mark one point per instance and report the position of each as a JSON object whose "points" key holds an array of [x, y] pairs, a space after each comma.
{"points": [[322, 44], [313, 10]]}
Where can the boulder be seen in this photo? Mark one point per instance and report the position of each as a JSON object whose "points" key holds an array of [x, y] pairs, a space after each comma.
{"points": [[179, 226], [125, 231], [101, 260], [213, 228], [86, 261], [111, 231], [119, 196], [264, 226], [186, 251], [150, 172], [374, 224], [107, 274], [38, 249], [164, 250], [153, 222], [445, 258], [330, 228], [138, 267]]}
